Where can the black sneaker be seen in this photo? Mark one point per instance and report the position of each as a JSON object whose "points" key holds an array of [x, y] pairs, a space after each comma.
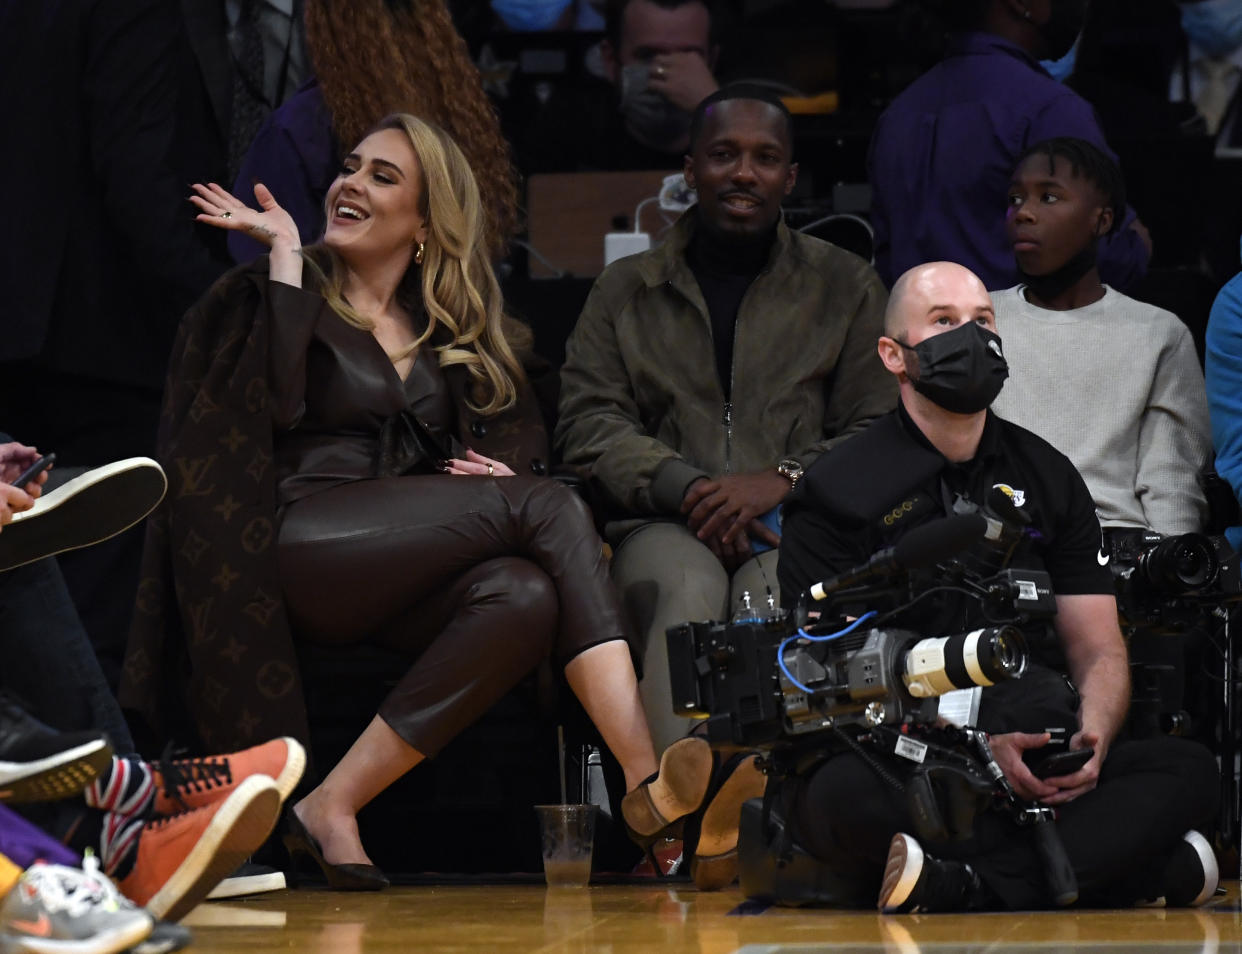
{"points": [[88, 509], [39, 764], [1191, 876], [916, 882]]}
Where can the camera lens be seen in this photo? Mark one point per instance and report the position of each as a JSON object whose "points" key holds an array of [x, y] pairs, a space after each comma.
{"points": [[1179, 564], [978, 658], [1001, 652]]}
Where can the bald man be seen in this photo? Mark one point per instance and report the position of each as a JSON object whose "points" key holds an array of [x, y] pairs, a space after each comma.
{"points": [[1124, 816]]}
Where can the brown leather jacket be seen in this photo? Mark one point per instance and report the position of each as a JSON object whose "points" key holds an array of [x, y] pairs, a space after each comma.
{"points": [[210, 652]]}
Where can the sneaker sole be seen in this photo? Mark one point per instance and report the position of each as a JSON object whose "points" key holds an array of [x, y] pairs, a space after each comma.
{"points": [[295, 765], [89, 509], [239, 827], [62, 775], [111, 941], [164, 938], [1211, 873], [901, 872], [248, 884]]}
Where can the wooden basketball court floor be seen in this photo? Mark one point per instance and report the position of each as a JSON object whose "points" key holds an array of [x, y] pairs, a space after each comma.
{"points": [[645, 919]]}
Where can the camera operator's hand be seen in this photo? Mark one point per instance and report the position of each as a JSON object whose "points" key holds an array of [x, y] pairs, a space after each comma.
{"points": [[1069, 787], [1008, 749], [725, 507]]}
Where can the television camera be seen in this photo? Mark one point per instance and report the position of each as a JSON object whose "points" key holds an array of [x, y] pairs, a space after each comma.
{"points": [[774, 680], [799, 692], [1173, 582]]}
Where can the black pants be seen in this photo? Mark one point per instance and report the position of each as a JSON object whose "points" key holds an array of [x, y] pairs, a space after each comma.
{"points": [[47, 660], [1118, 837], [476, 579]]}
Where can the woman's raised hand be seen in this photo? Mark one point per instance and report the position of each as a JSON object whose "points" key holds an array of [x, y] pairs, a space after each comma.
{"points": [[273, 226]]}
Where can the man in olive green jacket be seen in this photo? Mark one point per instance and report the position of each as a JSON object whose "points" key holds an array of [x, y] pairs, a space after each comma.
{"points": [[704, 375]]}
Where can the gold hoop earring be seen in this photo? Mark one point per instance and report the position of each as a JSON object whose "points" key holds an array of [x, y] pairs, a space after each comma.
{"points": [[418, 256]]}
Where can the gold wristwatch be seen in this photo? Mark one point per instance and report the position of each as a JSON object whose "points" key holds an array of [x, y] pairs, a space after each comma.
{"points": [[790, 469]]}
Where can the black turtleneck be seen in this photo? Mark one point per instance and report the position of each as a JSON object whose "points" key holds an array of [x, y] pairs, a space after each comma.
{"points": [[724, 269]]}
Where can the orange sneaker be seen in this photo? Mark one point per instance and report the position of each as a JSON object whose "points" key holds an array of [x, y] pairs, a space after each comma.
{"points": [[182, 857], [196, 783]]}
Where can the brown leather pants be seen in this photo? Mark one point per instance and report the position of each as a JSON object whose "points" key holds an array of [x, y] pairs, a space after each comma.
{"points": [[475, 578]]}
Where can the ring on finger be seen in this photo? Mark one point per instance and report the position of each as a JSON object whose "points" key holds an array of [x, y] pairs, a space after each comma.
{"points": [[491, 471], [226, 214]]}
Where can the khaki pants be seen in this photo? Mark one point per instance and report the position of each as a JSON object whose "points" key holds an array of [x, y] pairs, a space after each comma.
{"points": [[666, 576]]}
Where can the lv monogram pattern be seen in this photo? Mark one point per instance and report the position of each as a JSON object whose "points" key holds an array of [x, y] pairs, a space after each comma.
{"points": [[209, 616]]}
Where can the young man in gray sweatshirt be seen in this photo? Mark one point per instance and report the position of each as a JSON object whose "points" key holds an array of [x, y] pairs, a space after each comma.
{"points": [[1111, 382]]}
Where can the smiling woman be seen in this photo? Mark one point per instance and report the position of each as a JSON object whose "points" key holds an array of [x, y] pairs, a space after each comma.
{"points": [[378, 360], [372, 58]]}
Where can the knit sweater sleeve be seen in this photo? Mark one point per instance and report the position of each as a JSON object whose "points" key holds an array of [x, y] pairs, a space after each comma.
{"points": [[1174, 440]]}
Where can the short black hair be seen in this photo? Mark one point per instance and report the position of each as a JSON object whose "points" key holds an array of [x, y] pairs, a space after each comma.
{"points": [[756, 91], [614, 13], [1087, 161]]}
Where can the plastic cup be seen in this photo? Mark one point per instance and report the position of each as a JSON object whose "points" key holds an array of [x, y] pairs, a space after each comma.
{"points": [[568, 833]]}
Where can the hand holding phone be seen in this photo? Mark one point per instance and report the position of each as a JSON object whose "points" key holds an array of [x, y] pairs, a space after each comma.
{"points": [[1063, 763], [32, 472]]}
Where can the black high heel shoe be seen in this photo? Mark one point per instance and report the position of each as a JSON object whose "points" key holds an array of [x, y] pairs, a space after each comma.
{"points": [[682, 781], [299, 841]]}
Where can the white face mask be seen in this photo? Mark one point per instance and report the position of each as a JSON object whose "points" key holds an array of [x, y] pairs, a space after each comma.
{"points": [[651, 118]]}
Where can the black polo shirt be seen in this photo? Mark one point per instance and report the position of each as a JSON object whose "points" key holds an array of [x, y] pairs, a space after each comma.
{"points": [[871, 490]]}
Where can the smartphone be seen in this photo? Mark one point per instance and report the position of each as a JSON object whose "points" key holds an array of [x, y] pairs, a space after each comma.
{"points": [[1063, 763], [34, 470]]}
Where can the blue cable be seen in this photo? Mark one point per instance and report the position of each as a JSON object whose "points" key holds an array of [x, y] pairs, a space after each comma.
{"points": [[803, 634]]}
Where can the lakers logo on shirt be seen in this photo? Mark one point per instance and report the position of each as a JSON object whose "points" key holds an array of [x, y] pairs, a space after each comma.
{"points": [[1017, 496]]}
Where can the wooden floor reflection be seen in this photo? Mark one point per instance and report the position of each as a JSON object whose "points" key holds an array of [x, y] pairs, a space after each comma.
{"points": [[646, 919]]}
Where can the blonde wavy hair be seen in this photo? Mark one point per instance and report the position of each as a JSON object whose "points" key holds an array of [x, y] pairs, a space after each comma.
{"points": [[456, 283]]}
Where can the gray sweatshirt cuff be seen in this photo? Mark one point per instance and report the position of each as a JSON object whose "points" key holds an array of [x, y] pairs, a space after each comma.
{"points": [[668, 486]]}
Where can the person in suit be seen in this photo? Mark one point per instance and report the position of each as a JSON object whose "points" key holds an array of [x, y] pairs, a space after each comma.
{"points": [[99, 257]]}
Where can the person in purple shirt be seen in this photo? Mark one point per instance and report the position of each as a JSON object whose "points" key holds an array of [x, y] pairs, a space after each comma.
{"points": [[296, 154], [944, 149], [372, 58]]}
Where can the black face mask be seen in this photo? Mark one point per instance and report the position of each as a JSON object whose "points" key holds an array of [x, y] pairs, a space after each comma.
{"points": [[1048, 287], [1064, 24], [960, 370]]}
